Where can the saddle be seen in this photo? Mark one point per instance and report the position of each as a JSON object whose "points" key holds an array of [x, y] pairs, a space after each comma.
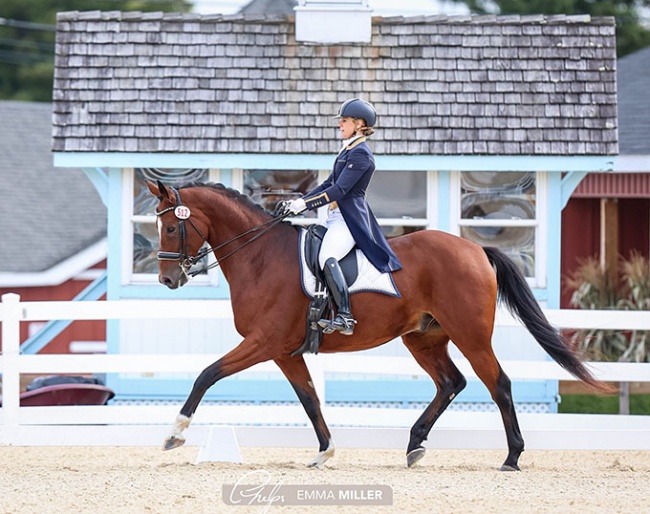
{"points": [[359, 275]]}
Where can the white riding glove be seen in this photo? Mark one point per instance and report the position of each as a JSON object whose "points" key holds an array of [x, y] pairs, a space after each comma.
{"points": [[297, 206]]}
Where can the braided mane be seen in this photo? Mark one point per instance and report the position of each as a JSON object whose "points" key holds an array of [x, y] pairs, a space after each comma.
{"points": [[229, 192]]}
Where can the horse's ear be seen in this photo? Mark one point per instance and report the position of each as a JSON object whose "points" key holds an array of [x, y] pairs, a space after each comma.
{"points": [[154, 189], [164, 192], [159, 190]]}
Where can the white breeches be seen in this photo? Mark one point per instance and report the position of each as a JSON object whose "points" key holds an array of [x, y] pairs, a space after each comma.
{"points": [[338, 240]]}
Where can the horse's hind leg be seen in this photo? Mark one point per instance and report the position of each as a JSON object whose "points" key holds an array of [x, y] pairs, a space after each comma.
{"points": [[295, 369], [430, 351], [487, 368]]}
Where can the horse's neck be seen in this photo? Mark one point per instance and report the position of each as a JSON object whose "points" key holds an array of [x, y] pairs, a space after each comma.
{"points": [[227, 225]]}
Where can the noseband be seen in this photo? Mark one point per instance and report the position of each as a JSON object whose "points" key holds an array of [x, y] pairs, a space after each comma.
{"points": [[186, 261]]}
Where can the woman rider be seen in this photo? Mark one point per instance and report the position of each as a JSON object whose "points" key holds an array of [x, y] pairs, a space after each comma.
{"points": [[350, 220]]}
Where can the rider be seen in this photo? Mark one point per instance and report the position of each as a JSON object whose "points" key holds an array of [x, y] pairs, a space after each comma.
{"points": [[350, 220]]}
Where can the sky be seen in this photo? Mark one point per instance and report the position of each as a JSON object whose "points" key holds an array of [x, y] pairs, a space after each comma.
{"points": [[379, 7]]}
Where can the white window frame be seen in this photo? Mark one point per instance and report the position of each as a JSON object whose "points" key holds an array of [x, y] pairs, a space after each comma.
{"points": [[128, 277], [540, 223]]}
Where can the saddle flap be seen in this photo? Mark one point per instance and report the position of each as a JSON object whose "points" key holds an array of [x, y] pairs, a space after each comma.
{"points": [[313, 242]]}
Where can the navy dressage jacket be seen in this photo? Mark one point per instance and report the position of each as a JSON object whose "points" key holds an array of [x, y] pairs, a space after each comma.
{"points": [[346, 186]]}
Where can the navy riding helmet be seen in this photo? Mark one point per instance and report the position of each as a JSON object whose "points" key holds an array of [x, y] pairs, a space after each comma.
{"points": [[357, 108]]}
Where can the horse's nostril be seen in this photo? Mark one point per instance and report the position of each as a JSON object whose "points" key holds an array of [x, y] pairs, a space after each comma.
{"points": [[166, 281]]}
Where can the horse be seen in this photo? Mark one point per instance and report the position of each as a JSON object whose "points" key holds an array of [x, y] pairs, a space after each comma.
{"points": [[449, 289]]}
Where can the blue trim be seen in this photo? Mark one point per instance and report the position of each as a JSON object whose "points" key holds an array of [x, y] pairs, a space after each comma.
{"points": [[554, 241], [443, 203], [99, 178], [114, 232], [569, 184], [225, 177], [279, 390], [591, 163], [43, 337]]}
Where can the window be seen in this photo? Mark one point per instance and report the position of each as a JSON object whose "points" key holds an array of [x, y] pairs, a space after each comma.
{"points": [[139, 257], [399, 201], [268, 188], [397, 198], [502, 209]]}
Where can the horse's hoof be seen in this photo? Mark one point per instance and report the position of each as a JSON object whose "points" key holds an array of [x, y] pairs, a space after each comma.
{"points": [[321, 458], [173, 442], [414, 456], [508, 467]]}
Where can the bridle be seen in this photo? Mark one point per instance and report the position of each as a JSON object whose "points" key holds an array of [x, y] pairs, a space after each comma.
{"points": [[185, 260]]}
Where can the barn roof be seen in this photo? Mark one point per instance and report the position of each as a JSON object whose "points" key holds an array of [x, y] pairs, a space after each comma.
{"points": [[634, 102], [48, 215], [474, 85]]}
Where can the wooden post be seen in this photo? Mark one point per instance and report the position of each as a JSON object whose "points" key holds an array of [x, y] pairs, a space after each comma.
{"points": [[609, 260], [609, 237]]}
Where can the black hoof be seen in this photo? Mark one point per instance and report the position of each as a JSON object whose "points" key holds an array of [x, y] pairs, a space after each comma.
{"points": [[414, 456], [509, 467], [173, 442]]}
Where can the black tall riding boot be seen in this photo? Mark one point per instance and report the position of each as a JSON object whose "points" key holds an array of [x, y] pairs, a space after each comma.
{"points": [[343, 322]]}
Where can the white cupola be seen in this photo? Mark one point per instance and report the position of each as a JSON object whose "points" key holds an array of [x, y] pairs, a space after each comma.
{"points": [[333, 21]]}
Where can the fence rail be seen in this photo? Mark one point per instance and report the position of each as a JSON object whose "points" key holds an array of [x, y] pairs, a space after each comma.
{"points": [[130, 425]]}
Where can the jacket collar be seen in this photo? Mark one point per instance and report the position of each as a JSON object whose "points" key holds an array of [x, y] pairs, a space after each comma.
{"points": [[348, 144], [355, 142]]}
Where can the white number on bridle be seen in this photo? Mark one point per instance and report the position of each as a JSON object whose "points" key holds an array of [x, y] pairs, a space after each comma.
{"points": [[182, 212]]}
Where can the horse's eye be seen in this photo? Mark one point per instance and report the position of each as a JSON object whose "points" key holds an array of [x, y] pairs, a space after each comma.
{"points": [[171, 229]]}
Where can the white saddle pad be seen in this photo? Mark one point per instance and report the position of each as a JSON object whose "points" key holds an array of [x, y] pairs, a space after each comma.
{"points": [[369, 279]]}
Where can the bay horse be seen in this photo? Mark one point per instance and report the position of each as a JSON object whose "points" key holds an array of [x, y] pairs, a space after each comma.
{"points": [[449, 289]]}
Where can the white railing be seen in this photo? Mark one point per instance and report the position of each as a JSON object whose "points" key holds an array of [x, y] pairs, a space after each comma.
{"points": [[147, 425]]}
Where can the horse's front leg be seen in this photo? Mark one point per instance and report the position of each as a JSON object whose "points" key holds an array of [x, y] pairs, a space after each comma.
{"points": [[245, 355], [295, 369]]}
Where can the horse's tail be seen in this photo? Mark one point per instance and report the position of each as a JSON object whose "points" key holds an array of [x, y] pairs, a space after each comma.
{"points": [[514, 291]]}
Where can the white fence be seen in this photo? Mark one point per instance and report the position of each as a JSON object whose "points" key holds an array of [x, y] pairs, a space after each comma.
{"points": [[127, 425]]}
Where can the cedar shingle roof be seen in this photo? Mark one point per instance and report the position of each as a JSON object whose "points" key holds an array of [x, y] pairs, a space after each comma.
{"points": [[510, 85]]}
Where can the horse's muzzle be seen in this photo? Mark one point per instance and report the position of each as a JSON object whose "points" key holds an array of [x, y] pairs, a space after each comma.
{"points": [[173, 282]]}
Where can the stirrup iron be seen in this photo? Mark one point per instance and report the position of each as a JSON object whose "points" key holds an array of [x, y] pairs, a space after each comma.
{"points": [[343, 324]]}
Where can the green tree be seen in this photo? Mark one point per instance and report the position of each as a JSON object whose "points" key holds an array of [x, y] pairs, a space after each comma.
{"points": [[631, 35], [27, 31]]}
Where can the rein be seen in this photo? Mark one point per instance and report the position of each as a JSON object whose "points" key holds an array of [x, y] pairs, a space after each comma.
{"points": [[185, 260]]}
